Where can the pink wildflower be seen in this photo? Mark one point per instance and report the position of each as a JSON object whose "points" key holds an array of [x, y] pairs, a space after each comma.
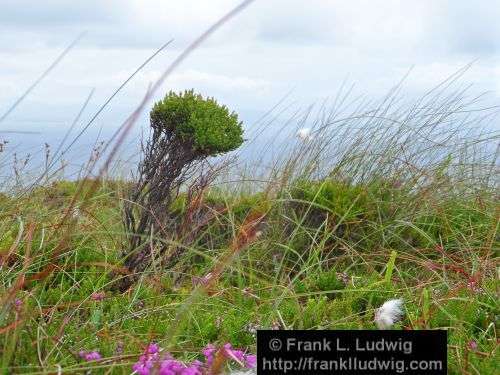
{"points": [[209, 353], [142, 368], [250, 361], [194, 369], [99, 296], [153, 348], [474, 286], [119, 348], [191, 370], [171, 367], [18, 303], [147, 360], [247, 360], [151, 361], [235, 354], [90, 356], [472, 345]]}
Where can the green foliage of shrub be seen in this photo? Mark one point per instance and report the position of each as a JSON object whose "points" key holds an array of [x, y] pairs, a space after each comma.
{"points": [[349, 201], [348, 210], [327, 281], [314, 313], [320, 281], [341, 313], [226, 213], [472, 310], [455, 219], [210, 127], [60, 189], [342, 212], [220, 322], [336, 198]]}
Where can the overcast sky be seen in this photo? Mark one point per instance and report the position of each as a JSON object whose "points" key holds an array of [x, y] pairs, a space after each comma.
{"points": [[310, 46]]}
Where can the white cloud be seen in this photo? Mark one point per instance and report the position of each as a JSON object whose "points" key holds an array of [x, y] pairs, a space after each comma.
{"points": [[195, 78], [251, 62]]}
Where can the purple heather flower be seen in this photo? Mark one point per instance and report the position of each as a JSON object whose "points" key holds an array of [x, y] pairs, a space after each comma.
{"points": [[142, 368], [171, 367], [98, 296], [18, 303], [209, 353], [93, 356], [167, 365], [197, 363], [90, 356], [119, 348], [235, 354], [153, 348], [472, 345], [147, 360], [474, 286], [250, 361], [191, 370]]}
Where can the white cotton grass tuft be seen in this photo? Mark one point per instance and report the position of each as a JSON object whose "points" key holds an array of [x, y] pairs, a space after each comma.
{"points": [[305, 134], [389, 313]]}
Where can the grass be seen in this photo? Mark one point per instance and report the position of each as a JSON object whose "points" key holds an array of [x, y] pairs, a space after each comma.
{"points": [[330, 253], [388, 200]]}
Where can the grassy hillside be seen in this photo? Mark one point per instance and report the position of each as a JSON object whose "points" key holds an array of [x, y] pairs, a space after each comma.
{"points": [[394, 202], [325, 255]]}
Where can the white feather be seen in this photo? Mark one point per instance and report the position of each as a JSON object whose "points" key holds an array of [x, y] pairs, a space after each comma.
{"points": [[389, 313]]}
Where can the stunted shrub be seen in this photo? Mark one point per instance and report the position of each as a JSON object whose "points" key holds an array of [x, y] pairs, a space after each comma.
{"points": [[202, 126], [186, 129]]}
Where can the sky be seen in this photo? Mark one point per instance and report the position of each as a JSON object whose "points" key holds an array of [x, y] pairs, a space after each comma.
{"points": [[308, 48]]}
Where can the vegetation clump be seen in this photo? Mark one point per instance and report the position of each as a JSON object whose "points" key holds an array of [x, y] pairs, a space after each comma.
{"points": [[186, 130], [200, 124]]}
